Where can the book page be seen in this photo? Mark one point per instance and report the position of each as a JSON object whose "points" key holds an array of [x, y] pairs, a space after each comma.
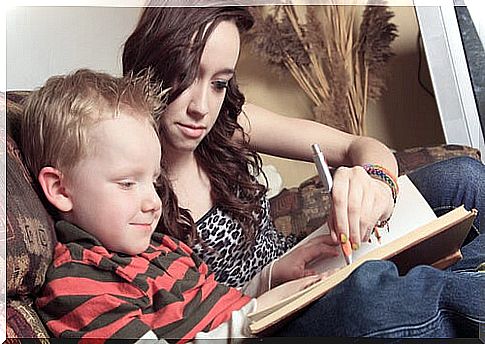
{"points": [[411, 211]]}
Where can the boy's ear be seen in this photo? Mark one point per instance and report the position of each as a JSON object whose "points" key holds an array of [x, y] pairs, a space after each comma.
{"points": [[51, 181]]}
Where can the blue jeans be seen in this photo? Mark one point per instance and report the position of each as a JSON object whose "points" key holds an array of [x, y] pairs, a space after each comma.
{"points": [[450, 183], [374, 301]]}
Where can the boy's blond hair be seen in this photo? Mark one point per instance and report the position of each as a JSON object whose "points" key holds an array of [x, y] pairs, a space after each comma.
{"points": [[59, 115]]}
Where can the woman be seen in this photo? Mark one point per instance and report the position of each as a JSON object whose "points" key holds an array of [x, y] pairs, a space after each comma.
{"points": [[210, 141]]}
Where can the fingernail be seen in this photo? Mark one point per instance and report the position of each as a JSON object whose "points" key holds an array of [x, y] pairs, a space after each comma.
{"points": [[355, 246], [347, 249], [367, 235], [343, 238], [377, 234]]}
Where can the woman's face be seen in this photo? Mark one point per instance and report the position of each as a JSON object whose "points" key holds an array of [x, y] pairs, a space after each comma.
{"points": [[190, 117]]}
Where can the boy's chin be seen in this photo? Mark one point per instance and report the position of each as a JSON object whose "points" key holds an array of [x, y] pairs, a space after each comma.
{"points": [[130, 246], [133, 251], [138, 251]]}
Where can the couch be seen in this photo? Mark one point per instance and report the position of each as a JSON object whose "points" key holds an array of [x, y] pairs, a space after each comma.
{"points": [[30, 237]]}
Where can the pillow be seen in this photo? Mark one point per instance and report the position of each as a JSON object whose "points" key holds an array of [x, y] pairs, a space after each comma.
{"points": [[30, 235], [413, 158], [23, 322], [299, 211]]}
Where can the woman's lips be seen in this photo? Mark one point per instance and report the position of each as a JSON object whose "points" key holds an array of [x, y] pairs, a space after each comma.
{"points": [[191, 131]]}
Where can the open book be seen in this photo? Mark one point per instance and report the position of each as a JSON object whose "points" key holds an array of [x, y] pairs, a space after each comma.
{"points": [[416, 236]]}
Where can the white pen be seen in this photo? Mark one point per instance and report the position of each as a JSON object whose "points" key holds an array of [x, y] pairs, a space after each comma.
{"points": [[326, 178], [322, 168]]}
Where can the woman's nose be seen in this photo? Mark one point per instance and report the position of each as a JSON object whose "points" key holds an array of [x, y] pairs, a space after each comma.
{"points": [[199, 103]]}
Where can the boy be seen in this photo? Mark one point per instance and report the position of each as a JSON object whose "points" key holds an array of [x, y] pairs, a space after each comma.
{"points": [[91, 141]]}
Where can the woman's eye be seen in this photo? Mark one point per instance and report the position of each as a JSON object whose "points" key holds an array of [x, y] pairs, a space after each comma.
{"points": [[220, 84]]}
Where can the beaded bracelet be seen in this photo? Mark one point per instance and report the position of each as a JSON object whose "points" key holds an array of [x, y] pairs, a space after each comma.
{"points": [[380, 173]]}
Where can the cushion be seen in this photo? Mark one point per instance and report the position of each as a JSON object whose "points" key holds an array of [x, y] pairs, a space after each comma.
{"points": [[30, 234], [412, 158], [23, 322], [301, 210], [15, 107]]}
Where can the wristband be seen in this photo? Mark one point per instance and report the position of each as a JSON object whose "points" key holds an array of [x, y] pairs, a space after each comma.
{"points": [[380, 173]]}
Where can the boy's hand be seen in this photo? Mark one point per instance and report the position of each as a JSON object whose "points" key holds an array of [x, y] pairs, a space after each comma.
{"points": [[294, 264]]}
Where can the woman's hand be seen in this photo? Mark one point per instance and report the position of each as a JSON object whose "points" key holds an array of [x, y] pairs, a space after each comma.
{"points": [[272, 296], [290, 288], [294, 264], [359, 202]]}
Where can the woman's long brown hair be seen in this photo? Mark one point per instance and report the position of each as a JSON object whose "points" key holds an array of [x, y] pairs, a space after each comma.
{"points": [[170, 40]]}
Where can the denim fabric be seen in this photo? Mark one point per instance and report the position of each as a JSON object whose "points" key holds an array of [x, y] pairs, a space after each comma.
{"points": [[374, 301], [450, 183]]}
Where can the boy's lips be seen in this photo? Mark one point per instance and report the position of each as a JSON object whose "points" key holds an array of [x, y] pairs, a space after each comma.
{"points": [[191, 130], [142, 226]]}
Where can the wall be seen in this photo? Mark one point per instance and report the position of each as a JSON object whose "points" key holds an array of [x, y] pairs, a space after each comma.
{"points": [[407, 115], [44, 41]]}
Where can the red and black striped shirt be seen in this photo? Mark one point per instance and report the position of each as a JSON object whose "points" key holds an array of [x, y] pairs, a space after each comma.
{"points": [[91, 292]]}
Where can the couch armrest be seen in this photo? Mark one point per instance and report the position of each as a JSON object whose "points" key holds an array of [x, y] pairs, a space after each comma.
{"points": [[413, 158]]}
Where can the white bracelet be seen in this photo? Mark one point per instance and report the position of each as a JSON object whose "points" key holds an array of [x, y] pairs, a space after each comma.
{"points": [[271, 272]]}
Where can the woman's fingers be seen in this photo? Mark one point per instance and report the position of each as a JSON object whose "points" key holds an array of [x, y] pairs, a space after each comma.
{"points": [[359, 201], [340, 194], [384, 199], [319, 247], [304, 282], [328, 273], [310, 272], [349, 192], [369, 215], [354, 208], [332, 227], [323, 239], [293, 265]]}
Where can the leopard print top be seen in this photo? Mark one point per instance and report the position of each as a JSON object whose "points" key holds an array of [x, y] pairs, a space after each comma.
{"points": [[233, 259]]}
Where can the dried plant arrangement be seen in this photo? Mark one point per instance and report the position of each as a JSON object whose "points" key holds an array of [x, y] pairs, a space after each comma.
{"points": [[339, 66]]}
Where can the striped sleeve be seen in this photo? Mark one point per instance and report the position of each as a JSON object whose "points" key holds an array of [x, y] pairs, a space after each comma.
{"points": [[89, 303], [197, 301]]}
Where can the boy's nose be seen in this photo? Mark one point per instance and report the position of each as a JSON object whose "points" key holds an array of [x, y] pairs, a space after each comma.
{"points": [[151, 201]]}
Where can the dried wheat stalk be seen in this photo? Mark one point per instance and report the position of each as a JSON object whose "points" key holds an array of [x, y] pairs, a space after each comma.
{"points": [[338, 67]]}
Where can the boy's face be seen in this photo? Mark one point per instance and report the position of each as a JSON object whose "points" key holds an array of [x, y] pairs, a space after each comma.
{"points": [[112, 190]]}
